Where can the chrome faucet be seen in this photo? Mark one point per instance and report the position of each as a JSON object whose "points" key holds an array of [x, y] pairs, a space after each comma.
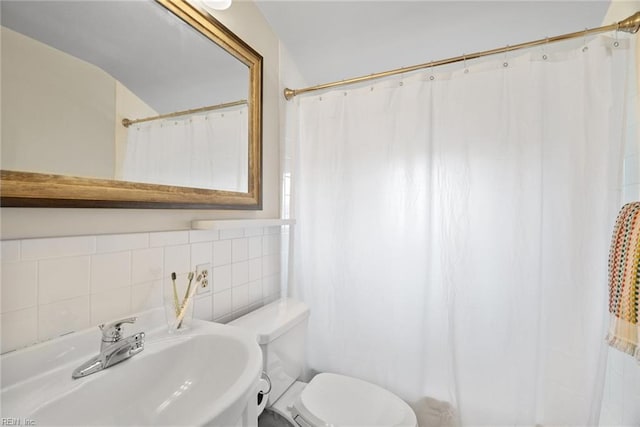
{"points": [[113, 348]]}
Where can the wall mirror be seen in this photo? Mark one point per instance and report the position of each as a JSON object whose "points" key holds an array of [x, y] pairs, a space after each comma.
{"points": [[128, 104]]}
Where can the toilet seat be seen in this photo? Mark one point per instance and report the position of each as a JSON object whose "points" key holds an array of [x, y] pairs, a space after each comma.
{"points": [[337, 401]]}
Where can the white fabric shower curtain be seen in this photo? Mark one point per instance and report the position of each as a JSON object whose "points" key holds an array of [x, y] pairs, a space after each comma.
{"points": [[203, 151], [453, 228]]}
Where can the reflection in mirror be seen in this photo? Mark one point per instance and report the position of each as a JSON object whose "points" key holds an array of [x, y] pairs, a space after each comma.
{"points": [[73, 70]]}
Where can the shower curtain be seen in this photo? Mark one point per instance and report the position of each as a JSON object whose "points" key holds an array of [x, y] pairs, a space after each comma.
{"points": [[203, 151], [452, 233]]}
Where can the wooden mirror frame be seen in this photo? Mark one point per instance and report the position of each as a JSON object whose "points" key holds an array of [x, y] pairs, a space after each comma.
{"points": [[29, 189]]}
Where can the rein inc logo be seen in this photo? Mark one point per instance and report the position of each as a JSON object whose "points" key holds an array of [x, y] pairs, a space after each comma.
{"points": [[9, 421]]}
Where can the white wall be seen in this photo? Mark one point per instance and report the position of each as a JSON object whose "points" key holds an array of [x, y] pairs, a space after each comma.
{"points": [[62, 115], [56, 109], [244, 19], [290, 78], [54, 286]]}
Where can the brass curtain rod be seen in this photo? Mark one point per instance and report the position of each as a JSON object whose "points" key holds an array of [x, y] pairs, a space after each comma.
{"points": [[629, 25], [127, 122]]}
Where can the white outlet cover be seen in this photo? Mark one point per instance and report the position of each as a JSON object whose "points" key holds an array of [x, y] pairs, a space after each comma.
{"points": [[202, 288]]}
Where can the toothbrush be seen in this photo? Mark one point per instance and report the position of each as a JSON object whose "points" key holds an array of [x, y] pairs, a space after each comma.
{"points": [[183, 310], [190, 276], [176, 303]]}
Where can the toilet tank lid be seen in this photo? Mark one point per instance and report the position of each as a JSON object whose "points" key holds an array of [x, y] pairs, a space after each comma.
{"points": [[272, 320]]}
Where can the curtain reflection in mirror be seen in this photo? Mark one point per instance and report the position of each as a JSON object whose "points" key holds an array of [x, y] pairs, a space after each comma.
{"points": [[203, 151]]}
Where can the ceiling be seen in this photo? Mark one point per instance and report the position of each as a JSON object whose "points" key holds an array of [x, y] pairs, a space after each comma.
{"points": [[335, 40], [327, 40]]}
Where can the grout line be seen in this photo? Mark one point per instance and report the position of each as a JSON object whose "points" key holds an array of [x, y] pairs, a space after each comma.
{"points": [[37, 298]]}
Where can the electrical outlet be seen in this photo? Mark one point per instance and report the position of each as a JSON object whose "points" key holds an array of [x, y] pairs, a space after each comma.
{"points": [[203, 275]]}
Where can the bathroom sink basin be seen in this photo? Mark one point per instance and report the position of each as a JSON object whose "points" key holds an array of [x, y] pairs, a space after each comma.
{"points": [[205, 375]]}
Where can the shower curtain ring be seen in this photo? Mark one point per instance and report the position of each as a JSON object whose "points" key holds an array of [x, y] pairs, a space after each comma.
{"points": [[584, 40], [464, 58]]}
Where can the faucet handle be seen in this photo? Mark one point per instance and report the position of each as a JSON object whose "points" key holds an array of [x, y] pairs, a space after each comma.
{"points": [[112, 332]]}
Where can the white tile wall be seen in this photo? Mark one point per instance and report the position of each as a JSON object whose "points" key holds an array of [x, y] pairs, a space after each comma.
{"points": [[110, 271], [10, 251], [59, 318], [21, 290], [54, 286], [121, 242], [38, 249], [621, 400], [63, 278], [19, 328], [222, 253]]}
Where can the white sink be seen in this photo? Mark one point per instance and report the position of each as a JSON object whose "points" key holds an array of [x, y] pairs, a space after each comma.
{"points": [[206, 375]]}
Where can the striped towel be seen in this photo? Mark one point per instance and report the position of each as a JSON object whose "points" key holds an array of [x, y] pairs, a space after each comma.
{"points": [[624, 281]]}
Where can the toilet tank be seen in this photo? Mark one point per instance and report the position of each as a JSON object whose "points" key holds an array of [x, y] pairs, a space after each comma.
{"points": [[280, 329]]}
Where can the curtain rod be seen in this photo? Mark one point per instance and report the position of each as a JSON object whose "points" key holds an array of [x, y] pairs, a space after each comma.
{"points": [[629, 25], [127, 122]]}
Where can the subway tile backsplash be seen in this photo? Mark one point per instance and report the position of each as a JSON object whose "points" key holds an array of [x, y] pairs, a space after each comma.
{"points": [[54, 286]]}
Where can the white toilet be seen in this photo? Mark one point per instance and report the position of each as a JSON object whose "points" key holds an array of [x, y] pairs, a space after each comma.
{"points": [[328, 399]]}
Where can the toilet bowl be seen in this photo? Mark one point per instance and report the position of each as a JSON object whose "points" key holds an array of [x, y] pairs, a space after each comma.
{"points": [[328, 399]]}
